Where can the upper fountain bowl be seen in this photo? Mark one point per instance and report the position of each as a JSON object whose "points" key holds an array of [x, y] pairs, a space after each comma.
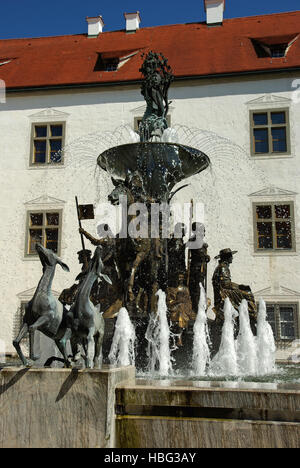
{"points": [[161, 165]]}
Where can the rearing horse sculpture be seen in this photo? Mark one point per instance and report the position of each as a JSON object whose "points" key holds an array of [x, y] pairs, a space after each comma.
{"points": [[44, 312]]}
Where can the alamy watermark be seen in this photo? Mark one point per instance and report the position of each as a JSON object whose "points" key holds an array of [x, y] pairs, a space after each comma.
{"points": [[2, 92], [155, 221]]}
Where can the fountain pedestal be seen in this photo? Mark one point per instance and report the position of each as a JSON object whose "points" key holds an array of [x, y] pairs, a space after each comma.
{"points": [[179, 414], [59, 408]]}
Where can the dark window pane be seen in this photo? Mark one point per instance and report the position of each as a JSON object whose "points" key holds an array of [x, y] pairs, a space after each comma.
{"points": [[278, 118], [52, 219], [283, 211], [271, 318], [286, 314], [270, 313], [278, 50], [265, 238], [261, 140], [264, 229], [56, 130], [40, 131], [287, 331], [40, 151], [264, 211], [279, 140], [260, 119], [55, 150], [284, 235], [35, 236], [36, 219], [52, 239]]}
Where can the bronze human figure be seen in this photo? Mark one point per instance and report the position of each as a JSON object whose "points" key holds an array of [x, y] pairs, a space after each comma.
{"points": [[176, 254], [157, 79], [198, 260], [109, 296], [224, 287], [68, 295], [180, 307]]}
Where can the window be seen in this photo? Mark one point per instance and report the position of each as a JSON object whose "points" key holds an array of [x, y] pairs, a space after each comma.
{"points": [[274, 226], [47, 144], [107, 63], [270, 50], [270, 132], [283, 319], [43, 227], [274, 46]]}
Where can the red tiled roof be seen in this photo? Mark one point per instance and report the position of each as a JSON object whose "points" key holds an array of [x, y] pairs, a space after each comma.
{"points": [[192, 50]]}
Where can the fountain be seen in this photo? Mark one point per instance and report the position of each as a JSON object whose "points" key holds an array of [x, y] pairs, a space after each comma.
{"points": [[201, 382], [122, 348]]}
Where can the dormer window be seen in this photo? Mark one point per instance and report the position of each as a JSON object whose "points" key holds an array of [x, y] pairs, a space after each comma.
{"points": [[112, 61], [107, 64], [273, 47]]}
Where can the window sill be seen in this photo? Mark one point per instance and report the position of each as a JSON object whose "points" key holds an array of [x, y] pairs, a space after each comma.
{"points": [[271, 156], [31, 258], [45, 166], [276, 254]]}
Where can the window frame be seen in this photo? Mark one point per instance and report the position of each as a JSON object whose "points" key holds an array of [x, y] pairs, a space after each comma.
{"points": [[33, 138], [44, 211], [277, 306], [274, 250], [269, 127]]}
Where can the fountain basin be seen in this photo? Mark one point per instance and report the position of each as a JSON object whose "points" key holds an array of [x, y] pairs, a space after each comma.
{"points": [[184, 414], [161, 165]]}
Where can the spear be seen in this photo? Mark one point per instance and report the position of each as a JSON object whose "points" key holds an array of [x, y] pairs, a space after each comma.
{"points": [[81, 235]]}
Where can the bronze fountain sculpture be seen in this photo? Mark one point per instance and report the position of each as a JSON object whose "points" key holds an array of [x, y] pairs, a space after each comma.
{"points": [[134, 268]]}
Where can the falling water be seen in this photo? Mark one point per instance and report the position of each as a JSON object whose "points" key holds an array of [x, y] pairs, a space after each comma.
{"points": [[158, 337], [225, 361], [201, 351], [246, 344], [265, 342], [122, 348]]}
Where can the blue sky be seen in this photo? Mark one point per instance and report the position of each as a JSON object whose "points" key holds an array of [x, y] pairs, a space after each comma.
{"points": [[35, 18]]}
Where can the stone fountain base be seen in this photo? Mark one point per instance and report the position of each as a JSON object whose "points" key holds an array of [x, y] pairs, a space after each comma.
{"points": [[166, 414], [59, 408]]}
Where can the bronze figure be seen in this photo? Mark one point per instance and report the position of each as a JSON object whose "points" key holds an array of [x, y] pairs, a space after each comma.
{"points": [[180, 306], [157, 79], [198, 260], [224, 287]]}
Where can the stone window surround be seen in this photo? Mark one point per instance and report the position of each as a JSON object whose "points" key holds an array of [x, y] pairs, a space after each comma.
{"points": [[27, 255], [267, 195], [271, 103], [269, 125], [48, 123], [274, 251], [278, 304]]}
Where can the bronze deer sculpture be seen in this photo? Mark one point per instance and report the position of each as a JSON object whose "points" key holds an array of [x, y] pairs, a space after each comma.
{"points": [[44, 312]]}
